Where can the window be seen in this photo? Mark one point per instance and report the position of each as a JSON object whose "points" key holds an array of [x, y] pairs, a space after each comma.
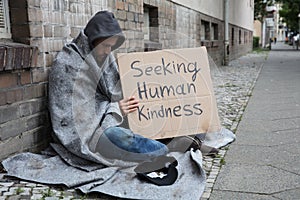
{"points": [[150, 28], [245, 37], [205, 30], [214, 31], [232, 36], [240, 36], [146, 26], [4, 20]]}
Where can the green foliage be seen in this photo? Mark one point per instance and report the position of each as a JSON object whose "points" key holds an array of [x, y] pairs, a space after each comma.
{"points": [[289, 12], [222, 161], [255, 42], [19, 190], [260, 9], [47, 193]]}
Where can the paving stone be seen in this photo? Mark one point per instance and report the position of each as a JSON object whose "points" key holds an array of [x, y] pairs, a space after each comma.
{"points": [[217, 195], [6, 184], [14, 197], [8, 193], [36, 196]]}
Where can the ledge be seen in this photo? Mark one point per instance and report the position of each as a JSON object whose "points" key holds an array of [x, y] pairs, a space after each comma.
{"points": [[17, 56], [214, 43], [152, 46], [206, 43]]}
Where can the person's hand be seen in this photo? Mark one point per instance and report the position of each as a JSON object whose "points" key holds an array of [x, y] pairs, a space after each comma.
{"points": [[128, 105]]}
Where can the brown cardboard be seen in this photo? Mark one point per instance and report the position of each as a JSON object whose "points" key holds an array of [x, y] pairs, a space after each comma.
{"points": [[173, 101]]}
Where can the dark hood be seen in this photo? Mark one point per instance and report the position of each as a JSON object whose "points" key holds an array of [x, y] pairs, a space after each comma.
{"points": [[104, 25]]}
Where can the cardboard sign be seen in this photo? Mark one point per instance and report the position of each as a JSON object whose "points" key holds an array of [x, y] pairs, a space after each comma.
{"points": [[175, 91]]}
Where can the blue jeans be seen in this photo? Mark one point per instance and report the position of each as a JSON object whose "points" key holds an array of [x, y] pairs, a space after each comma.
{"points": [[123, 144]]}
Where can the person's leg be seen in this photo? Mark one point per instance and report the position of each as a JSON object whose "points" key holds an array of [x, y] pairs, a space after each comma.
{"points": [[121, 143]]}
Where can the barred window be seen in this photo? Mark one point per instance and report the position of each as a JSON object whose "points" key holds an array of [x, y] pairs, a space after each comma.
{"points": [[214, 31], [205, 30], [4, 20]]}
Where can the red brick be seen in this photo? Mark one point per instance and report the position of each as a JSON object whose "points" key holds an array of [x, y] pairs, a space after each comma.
{"points": [[36, 139], [9, 58], [39, 75], [2, 57], [26, 57], [36, 31], [18, 57], [2, 98], [10, 146], [34, 91], [15, 95], [48, 31], [120, 5], [49, 59], [8, 80], [9, 113], [10, 129], [34, 56], [25, 77], [35, 121]]}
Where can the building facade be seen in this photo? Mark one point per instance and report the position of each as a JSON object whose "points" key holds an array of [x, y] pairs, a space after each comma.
{"points": [[33, 31]]}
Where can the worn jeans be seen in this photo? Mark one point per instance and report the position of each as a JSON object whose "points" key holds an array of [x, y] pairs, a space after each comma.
{"points": [[123, 144]]}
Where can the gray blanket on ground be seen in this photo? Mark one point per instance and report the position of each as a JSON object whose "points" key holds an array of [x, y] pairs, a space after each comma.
{"points": [[122, 183]]}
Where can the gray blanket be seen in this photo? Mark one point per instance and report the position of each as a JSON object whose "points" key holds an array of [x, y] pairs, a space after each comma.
{"points": [[83, 100], [117, 182]]}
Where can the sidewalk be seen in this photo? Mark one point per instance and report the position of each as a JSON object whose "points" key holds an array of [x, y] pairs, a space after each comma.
{"points": [[263, 163]]}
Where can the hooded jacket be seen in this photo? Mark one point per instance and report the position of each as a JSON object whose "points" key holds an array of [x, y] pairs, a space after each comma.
{"points": [[104, 25], [82, 95]]}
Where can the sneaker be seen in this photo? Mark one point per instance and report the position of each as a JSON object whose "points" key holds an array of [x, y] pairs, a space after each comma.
{"points": [[185, 143]]}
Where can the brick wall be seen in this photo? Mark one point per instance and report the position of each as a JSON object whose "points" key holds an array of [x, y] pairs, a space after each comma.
{"points": [[130, 16], [40, 28], [23, 114], [240, 44]]}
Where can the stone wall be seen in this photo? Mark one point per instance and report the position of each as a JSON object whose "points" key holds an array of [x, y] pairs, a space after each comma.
{"points": [[240, 41], [40, 28]]}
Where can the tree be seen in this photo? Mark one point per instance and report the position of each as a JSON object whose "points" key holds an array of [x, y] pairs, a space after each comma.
{"points": [[289, 12], [260, 11]]}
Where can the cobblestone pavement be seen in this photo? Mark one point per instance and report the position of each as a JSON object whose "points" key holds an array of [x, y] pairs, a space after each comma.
{"points": [[233, 85]]}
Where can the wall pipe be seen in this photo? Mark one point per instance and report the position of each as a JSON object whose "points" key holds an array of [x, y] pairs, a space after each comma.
{"points": [[226, 32]]}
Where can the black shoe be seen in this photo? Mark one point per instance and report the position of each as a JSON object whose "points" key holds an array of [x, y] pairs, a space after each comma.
{"points": [[185, 143], [208, 150]]}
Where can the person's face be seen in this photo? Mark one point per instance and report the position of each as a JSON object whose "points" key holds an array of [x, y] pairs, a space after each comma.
{"points": [[103, 48]]}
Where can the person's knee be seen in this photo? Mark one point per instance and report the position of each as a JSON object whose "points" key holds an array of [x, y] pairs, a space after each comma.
{"points": [[119, 135]]}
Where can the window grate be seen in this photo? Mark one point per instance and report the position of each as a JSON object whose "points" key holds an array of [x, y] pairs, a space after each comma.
{"points": [[4, 20]]}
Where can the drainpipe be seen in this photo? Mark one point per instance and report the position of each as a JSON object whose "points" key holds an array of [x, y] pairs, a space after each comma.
{"points": [[226, 31]]}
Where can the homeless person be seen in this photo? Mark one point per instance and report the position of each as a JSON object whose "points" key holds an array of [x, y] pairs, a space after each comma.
{"points": [[85, 99], [86, 103]]}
